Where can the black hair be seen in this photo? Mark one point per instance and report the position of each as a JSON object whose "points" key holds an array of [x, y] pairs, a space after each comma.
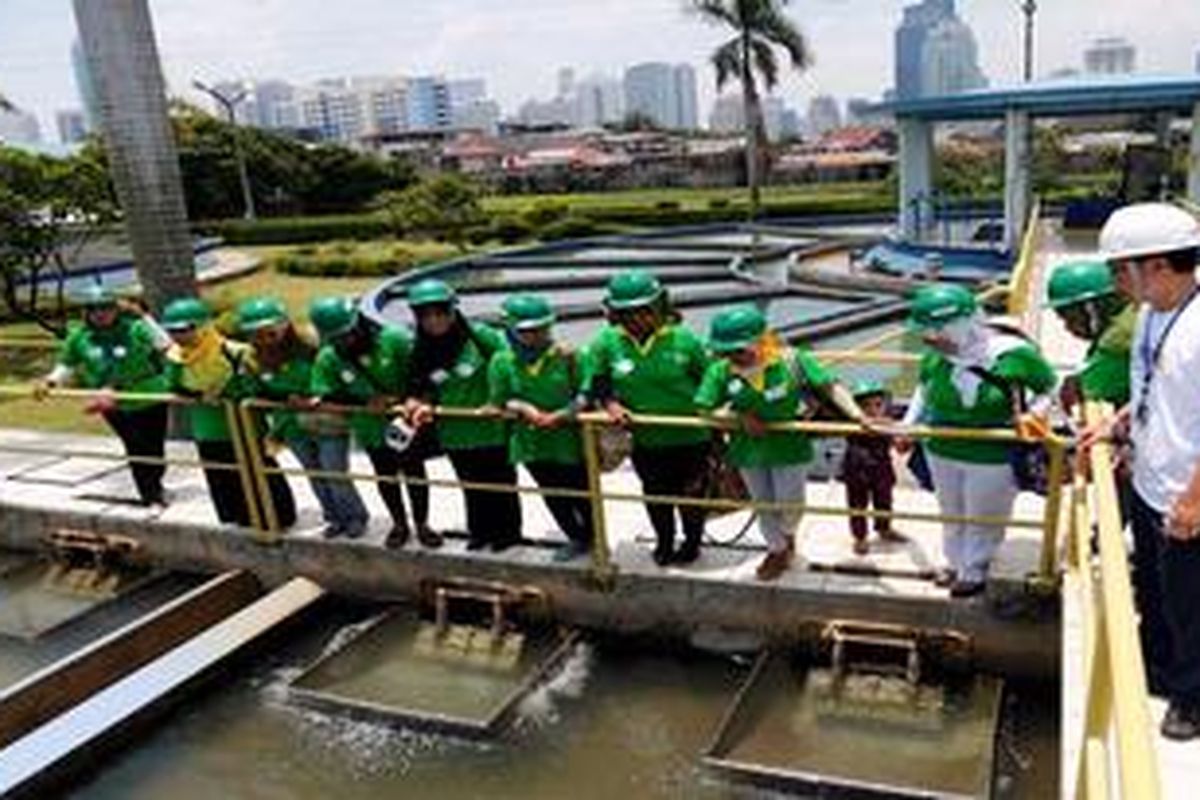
{"points": [[1182, 260]]}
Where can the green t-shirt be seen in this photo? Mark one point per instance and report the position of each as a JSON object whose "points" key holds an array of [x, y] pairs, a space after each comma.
{"points": [[123, 357], [292, 378], [1022, 366], [465, 385], [209, 423], [780, 399], [551, 383], [658, 377], [381, 370], [1105, 373]]}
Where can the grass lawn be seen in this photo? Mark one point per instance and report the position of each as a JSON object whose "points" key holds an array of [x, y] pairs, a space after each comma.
{"points": [[686, 197], [23, 365]]}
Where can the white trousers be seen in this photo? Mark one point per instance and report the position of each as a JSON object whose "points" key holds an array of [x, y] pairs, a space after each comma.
{"points": [[972, 490], [777, 485]]}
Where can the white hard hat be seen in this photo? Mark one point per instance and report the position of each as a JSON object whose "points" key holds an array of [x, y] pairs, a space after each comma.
{"points": [[1145, 229]]}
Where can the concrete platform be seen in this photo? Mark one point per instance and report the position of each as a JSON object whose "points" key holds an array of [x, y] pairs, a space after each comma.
{"points": [[718, 594]]}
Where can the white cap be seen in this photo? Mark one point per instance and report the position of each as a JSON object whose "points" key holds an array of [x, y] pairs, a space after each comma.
{"points": [[1145, 229]]}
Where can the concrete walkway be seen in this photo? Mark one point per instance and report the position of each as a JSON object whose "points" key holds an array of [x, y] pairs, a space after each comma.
{"points": [[103, 489]]}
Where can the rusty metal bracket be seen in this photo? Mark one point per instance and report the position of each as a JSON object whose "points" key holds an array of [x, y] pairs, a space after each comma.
{"points": [[88, 563]]}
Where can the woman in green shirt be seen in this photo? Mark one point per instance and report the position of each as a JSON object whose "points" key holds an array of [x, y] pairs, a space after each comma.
{"points": [[450, 368], [116, 348], [214, 371], [285, 359], [1084, 297], [762, 381], [366, 365], [538, 380], [968, 378], [644, 362]]}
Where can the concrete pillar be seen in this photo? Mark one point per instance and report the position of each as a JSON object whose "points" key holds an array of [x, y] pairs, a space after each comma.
{"points": [[1018, 160], [118, 42], [916, 177], [1193, 176]]}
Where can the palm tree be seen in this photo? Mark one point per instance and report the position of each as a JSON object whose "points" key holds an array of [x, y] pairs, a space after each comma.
{"points": [[761, 26]]}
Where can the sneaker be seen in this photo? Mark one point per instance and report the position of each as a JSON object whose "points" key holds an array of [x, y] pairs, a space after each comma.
{"points": [[332, 531], [944, 578], [688, 554], [354, 533], [889, 535], [397, 537], [771, 567], [474, 544], [861, 547], [428, 537], [500, 545], [663, 556], [963, 589], [1180, 723]]}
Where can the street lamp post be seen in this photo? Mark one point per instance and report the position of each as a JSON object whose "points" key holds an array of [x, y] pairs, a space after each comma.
{"points": [[1029, 8], [230, 105]]}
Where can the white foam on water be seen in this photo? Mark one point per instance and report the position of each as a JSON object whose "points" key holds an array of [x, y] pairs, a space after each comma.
{"points": [[540, 707]]}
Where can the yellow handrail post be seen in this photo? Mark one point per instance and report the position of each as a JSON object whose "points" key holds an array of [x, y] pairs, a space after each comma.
{"points": [[243, 465], [1056, 450], [1127, 674], [269, 532], [602, 567]]}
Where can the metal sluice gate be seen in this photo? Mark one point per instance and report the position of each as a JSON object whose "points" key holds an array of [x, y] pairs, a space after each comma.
{"points": [[891, 716], [464, 672], [80, 573]]}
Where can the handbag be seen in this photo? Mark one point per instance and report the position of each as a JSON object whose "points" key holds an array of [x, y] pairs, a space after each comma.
{"points": [[719, 480], [1029, 461]]}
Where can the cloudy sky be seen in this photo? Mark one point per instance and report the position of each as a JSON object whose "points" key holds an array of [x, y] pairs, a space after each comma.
{"points": [[518, 45]]}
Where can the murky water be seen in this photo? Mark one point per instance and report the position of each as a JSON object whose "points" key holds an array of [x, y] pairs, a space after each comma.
{"points": [[614, 721]]}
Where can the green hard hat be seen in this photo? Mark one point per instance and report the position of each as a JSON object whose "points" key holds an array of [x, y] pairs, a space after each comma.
{"points": [[934, 306], [736, 328], [632, 289], [868, 387], [260, 312], [430, 291], [1078, 281], [527, 311], [95, 296], [333, 316], [188, 312]]}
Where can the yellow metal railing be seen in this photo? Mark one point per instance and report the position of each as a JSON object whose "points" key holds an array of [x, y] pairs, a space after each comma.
{"points": [[1116, 708], [1021, 281], [254, 472]]}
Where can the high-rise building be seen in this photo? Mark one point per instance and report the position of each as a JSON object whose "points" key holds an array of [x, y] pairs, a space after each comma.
{"points": [[597, 101], [686, 116], [1110, 55], [19, 126], [935, 52], [910, 43], [663, 92], [950, 59], [824, 114], [72, 126], [728, 116], [1198, 61], [566, 81]]}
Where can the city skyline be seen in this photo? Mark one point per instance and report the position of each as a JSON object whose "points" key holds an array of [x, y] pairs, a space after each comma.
{"points": [[518, 49]]}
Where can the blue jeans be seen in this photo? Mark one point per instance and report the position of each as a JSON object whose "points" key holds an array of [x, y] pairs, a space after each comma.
{"points": [[339, 499]]}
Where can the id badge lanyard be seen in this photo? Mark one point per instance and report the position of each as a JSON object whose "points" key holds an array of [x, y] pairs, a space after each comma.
{"points": [[1150, 357]]}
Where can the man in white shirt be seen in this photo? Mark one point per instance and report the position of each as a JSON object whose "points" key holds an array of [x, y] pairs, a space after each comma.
{"points": [[1154, 247]]}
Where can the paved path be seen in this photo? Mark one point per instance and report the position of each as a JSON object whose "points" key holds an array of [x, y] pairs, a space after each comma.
{"points": [[103, 488]]}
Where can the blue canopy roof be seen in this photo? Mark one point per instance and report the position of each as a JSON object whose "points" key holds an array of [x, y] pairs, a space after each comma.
{"points": [[1058, 98]]}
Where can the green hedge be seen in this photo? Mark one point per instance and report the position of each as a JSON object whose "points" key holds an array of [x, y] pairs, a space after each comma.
{"points": [[344, 260], [299, 230], [548, 220]]}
